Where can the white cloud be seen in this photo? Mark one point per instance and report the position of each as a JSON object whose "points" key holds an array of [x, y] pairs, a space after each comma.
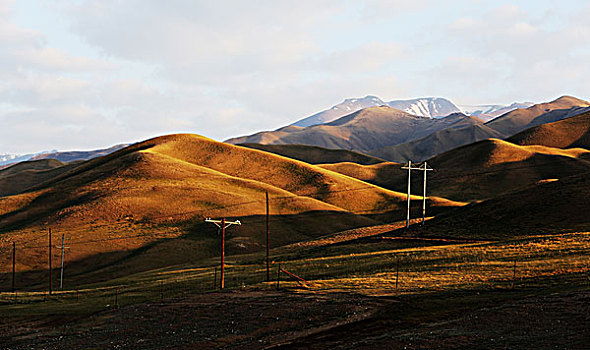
{"points": [[525, 56], [233, 67]]}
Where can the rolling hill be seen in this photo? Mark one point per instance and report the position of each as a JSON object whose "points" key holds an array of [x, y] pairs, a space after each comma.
{"points": [[571, 132], [550, 206], [314, 154], [524, 118], [478, 171], [464, 130], [144, 204], [21, 176]]}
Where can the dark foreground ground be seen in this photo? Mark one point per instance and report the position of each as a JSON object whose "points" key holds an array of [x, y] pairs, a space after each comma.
{"points": [[485, 319]]}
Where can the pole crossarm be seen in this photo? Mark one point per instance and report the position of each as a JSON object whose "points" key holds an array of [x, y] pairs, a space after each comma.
{"points": [[421, 167], [219, 223]]}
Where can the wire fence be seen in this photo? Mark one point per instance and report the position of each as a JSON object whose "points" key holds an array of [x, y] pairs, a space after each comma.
{"points": [[532, 262]]}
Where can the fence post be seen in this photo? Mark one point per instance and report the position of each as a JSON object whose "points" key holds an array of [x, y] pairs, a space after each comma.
{"points": [[278, 276], [396, 273], [514, 274], [215, 279]]}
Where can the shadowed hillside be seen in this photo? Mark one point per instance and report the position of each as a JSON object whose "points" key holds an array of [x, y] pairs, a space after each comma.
{"points": [[22, 176], [478, 171], [553, 206], [571, 132], [365, 130], [524, 118], [315, 155], [465, 131]]}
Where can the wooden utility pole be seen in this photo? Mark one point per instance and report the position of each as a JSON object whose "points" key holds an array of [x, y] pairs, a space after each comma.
{"points": [[222, 224], [267, 239], [425, 168], [409, 184], [61, 279], [13, 265], [50, 265]]}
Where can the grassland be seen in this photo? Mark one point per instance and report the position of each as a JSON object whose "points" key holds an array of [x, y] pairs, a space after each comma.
{"points": [[353, 268]]}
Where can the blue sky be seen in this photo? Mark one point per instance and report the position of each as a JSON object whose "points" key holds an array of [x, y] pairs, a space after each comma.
{"points": [[90, 74]]}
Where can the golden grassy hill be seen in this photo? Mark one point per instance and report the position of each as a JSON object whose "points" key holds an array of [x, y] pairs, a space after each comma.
{"points": [[145, 204], [315, 155], [45, 164], [378, 174], [547, 207], [478, 171], [570, 132]]}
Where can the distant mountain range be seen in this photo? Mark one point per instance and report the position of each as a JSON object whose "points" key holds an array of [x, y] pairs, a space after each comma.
{"points": [[396, 135], [68, 156], [8, 158], [489, 112], [431, 107]]}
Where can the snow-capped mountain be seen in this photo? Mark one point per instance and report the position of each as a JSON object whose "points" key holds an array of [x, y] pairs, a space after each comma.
{"points": [[63, 156], [7, 158], [348, 106], [489, 112], [432, 107]]}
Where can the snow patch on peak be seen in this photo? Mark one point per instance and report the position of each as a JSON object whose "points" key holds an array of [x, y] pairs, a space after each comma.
{"points": [[430, 107]]}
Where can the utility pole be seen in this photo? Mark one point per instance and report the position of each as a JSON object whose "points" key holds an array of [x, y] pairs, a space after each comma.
{"points": [[267, 240], [50, 265], [61, 279], [222, 224], [425, 168], [13, 265]]}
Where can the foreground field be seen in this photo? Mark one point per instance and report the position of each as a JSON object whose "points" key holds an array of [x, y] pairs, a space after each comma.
{"points": [[363, 291]]}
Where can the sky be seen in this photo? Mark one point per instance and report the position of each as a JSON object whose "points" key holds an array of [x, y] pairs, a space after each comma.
{"points": [[77, 74]]}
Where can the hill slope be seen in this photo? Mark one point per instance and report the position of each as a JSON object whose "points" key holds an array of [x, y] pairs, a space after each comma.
{"points": [[571, 132], [314, 154], [557, 206], [521, 119], [463, 131], [478, 171], [144, 204], [365, 130], [21, 176]]}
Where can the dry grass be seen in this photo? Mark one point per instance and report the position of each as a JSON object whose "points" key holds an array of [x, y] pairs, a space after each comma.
{"points": [[150, 199], [570, 132], [539, 260]]}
